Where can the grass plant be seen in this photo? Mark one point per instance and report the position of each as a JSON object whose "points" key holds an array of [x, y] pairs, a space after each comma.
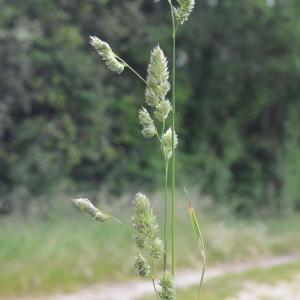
{"points": [[154, 121]]}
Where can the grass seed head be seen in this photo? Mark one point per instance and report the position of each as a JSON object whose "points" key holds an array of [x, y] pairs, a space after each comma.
{"points": [[167, 142], [184, 9], [167, 287], [107, 55], [86, 206], [158, 78], [141, 266], [156, 248], [149, 129]]}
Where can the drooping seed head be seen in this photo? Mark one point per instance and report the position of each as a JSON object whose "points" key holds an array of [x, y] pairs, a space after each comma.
{"points": [[184, 9], [167, 142], [86, 206], [158, 78], [167, 291], [107, 55], [141, 266]]}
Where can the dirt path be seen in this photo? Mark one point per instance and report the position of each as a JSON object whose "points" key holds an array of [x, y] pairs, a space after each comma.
{"points": [[282, 290], [136, 289]]}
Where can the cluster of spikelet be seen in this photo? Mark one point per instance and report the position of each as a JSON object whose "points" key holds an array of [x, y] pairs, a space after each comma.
{"points": [[146, 234], [86, 206], [184, 9], [157, 88], [110, 58]]}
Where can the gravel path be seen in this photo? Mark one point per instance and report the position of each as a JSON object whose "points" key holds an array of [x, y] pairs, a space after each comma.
{"points": [[137, 289]]}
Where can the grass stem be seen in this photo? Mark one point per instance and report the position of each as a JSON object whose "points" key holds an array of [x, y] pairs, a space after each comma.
{"points": [[131, 68], [173, 135], [166, 214]]}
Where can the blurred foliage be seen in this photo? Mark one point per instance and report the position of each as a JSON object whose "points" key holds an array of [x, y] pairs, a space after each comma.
{"points": [[65, 121]]}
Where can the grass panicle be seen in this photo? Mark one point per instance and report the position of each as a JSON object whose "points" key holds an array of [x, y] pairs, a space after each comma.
{"points": [[154, 123]]}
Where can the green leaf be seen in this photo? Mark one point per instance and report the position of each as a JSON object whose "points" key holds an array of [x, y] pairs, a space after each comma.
{"points": [[198, 237]]}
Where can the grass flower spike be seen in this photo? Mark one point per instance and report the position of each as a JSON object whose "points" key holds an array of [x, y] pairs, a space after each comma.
{"points": [[184, 10], [158, 78], [156, 248], [162, 110], [167, 142], [167, 287], [142, 267], [149, 129], [144, 221], [107, 55], [86, 206]]}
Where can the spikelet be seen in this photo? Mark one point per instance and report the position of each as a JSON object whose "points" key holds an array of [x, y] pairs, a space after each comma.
{"points": [[149, 129], [86, 206], [107, 55], [167, 287], [156, 248], [141, 241], [144, 221], [184, 10], [162, 110], [141, 265], [167, 142], [158, 78]]}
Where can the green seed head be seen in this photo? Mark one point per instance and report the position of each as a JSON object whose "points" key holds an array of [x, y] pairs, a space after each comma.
{"points": [[167, 142], [144, 221], [86, 206], [184, 10], [162, 110], [141, 266], [107, 55], [167, 287], [158, 78], [156, 248], [149, 129]]}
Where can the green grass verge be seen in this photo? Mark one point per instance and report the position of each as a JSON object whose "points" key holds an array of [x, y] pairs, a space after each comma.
{"points": [[69, 251]]}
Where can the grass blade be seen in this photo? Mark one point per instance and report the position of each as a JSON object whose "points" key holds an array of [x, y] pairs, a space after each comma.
{"points": [[198, 238]]}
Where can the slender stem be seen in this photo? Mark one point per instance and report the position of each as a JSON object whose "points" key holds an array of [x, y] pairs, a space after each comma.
{"points": [[122, 223], [202, 275], [130, 68], [154, 286], [166, 213], [174, 28], [153, 280]]}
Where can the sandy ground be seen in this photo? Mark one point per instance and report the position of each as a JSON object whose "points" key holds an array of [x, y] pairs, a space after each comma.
{"points": [[134, 290]]}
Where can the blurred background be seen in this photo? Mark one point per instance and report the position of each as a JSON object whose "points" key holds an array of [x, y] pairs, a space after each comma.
{"points": [[69, 127]]}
